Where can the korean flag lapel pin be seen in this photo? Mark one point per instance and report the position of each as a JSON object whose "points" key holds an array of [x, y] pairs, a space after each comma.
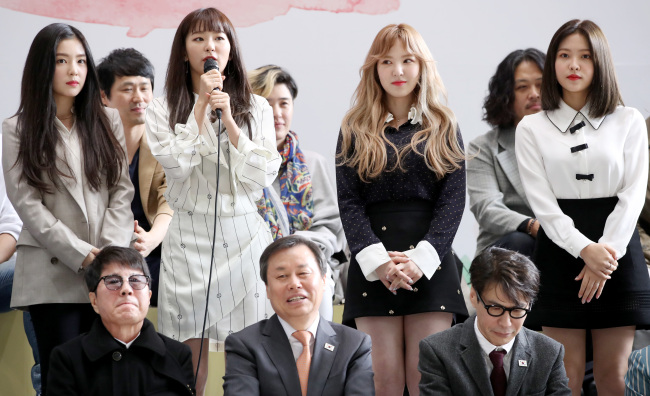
{"points": [[329, 347], [523, 363]]}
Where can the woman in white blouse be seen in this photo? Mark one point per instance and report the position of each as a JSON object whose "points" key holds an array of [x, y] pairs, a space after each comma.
{"points": [[184, 137], [584, 165]]}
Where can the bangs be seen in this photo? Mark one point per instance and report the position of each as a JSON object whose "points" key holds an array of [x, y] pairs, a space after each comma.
{"points": [[391, 35], [210, 20]]}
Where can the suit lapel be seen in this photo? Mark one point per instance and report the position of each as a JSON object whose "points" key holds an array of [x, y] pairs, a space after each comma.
{"points": [[520, 352], [146, 170], [277, 346], [508, 160], [69, 183], [470, 353], [323, 358]]}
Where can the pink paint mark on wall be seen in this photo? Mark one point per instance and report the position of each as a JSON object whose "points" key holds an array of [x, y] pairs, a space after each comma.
{"points": [[144, 16]]}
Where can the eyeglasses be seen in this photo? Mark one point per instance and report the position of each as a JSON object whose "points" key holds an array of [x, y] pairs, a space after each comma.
{"points": [[115, 282], [498, 310]]}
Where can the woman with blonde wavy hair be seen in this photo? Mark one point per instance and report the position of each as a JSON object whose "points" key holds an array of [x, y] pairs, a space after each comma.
{"points": [[401, 190]]}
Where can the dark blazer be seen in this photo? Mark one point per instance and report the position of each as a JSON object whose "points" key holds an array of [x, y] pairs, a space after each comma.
{"points": [[451, 363], [96, 364], [259, 361]]}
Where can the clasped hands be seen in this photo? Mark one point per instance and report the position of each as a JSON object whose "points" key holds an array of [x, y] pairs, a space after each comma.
{"points": [[399, 272], [600, 262]]}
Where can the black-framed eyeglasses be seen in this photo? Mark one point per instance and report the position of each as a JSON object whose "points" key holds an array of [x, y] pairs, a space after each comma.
{"points": [[115, 282], [498, 310]]}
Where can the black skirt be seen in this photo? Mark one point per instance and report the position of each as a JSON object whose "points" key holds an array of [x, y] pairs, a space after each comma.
{"points": [[625, 300], [400, 227]]}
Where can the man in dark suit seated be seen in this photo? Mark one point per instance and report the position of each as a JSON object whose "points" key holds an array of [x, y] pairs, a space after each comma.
{"points": [[122, 354], [268, 358], [491, 353]]}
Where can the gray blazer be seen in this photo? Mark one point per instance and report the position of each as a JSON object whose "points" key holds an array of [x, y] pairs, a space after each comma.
{"points": [[259, 361], [60, 229], [451, 363], [496, 196]]}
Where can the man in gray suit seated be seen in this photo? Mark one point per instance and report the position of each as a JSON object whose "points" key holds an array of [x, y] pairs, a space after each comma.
{"points": [[496, 196], [268, 358], [491, 353]]}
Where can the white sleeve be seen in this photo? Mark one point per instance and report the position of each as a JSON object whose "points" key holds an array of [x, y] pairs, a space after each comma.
{"points": [[255, 161], [9, 221], [622, 221], [558, 226]]}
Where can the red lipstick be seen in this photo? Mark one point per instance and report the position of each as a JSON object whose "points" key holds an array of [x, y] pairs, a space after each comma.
{"points": [[398, 83], [574, 77], [73, 83]]}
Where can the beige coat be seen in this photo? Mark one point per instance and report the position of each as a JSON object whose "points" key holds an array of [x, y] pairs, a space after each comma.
{"points": [[151, 177], [60, 229]]}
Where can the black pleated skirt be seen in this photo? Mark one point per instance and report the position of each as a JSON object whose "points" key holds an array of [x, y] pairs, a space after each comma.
{"points": [[625, 300], [400, 227]]}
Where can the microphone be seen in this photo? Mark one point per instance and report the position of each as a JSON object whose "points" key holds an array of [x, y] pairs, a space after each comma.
{"points": [[211, 64]]}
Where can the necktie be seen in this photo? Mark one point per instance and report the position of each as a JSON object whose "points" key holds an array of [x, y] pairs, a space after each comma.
{"points": [[498, 376], [304, 360]]}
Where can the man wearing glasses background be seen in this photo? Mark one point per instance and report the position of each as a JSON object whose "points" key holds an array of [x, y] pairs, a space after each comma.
{"points": [[491, 353], [122, 354]]}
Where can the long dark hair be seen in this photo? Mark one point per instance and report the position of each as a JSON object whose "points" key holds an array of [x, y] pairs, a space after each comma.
{"points": [[178, 83], [102, 154], [501, 95], [604, 94]]}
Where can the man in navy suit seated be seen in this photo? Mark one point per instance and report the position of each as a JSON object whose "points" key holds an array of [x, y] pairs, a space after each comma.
{"points": [[491, 353], [297, 352]]}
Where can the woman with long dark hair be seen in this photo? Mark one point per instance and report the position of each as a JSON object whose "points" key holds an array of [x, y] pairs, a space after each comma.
{"points": [[185, 139], [583, 162], [65, 168], [401, 191]]}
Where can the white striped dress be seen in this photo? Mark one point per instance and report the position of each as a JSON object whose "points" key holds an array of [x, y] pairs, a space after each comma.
{"points": [[237, 294]]}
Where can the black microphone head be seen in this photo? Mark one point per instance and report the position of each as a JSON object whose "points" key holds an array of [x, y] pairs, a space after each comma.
{"points": [[210, 64]]}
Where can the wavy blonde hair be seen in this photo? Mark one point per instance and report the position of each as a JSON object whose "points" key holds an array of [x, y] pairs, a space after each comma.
{"points": [[363, 129]]}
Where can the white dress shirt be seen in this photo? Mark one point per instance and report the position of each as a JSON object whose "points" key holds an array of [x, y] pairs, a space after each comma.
{"points": [[487, 348], [296, 345], [616, 156]]}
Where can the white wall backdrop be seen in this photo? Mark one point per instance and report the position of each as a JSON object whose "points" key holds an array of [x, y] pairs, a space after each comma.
{"points": [[324, 50]]}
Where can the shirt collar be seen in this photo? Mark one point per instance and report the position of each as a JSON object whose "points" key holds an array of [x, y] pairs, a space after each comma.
{"points": [[415, 115], [563, 116], [289, 330], [486, 345]]}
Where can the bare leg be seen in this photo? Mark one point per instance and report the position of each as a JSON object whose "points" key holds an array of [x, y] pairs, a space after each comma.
{"points": [[574, 341], [612, 347], [417, 327], [387, 337], [202, 378]]}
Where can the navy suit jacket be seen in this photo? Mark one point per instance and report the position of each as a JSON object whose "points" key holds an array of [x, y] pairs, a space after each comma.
{"points": [[259, 361]]}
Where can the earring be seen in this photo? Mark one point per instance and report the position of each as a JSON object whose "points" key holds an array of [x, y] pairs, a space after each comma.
{"points": [[187, 67]]}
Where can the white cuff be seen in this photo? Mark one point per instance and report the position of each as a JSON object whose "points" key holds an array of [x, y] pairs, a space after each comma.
{"points": [[425, 257], [576, 242], [370, 258]]}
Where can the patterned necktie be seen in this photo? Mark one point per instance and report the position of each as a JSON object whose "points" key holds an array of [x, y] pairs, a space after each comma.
{"points": [[304, 360], [498, 376]]}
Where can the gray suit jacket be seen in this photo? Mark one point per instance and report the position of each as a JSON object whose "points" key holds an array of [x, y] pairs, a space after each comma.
{"points": [[496, 196], [60, 229], [259, 361], [451, 363]]}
